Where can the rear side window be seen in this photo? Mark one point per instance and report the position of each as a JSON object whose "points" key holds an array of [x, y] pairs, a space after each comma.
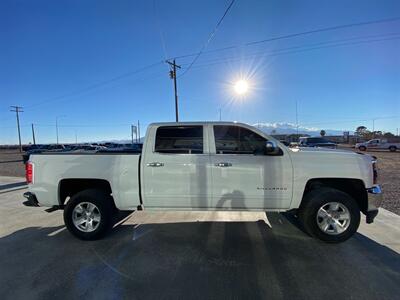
{"points": [[237, 140], [179, 139]]}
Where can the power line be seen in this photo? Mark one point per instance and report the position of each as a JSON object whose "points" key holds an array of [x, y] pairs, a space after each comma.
{"points": [[96, 85], [105, 82], [160, 29], [211, 36], [334, 42], [287, 36], [323, 30], [226, 60]]}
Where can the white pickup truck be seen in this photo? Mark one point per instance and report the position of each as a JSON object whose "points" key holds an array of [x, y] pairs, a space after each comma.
{"points": [[208, 166], [377, 144]]}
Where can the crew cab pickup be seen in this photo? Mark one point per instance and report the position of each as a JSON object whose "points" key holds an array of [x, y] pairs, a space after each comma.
{"points": [[377, 144], [208, 166]]}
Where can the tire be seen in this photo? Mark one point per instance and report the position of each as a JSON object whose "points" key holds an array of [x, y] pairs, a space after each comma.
{"points": [[362, 148], [102, 210], [312, 218], [392, 148]]}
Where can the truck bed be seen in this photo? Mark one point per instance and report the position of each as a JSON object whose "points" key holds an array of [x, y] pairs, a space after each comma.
{"points": [[120, 170]]}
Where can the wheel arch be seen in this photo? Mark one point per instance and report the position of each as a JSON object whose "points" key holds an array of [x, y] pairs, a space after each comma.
{"points": [[70, 186], [353, 187]]}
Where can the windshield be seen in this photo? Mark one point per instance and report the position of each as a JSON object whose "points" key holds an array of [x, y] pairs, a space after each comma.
{"points": [[317, 140]]}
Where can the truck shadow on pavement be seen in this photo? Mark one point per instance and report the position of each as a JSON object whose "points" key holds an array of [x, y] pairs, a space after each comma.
{"points": [[195, 260]]}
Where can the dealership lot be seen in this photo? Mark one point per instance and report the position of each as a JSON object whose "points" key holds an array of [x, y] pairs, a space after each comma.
{"points": [[196, 254]]}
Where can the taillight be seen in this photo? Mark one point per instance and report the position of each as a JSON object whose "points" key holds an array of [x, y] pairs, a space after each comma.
{"points": [[29, 172]]}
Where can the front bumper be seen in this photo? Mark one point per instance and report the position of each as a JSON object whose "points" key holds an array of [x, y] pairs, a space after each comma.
{"points": [[375, 198]]}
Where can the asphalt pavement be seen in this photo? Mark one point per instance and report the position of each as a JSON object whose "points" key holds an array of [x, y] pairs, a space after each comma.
{"points": [[192, 255]]}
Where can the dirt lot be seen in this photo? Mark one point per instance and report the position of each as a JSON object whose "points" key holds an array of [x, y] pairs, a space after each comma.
{"points": [[389, 178], [11, 163], [388, 168]]}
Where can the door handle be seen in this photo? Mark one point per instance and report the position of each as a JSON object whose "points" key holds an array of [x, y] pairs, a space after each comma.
{"points": [[223, 164], [155, 164]]}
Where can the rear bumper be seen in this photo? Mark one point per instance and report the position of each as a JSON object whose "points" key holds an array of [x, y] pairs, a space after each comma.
{"points": [[375, 198]]}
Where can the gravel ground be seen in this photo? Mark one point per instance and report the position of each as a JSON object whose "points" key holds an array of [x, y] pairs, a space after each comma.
{"points": [[389, 178], [11, 163], [388, 170]]}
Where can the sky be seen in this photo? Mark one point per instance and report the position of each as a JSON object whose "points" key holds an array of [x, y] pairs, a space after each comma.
{"points": [[98, 66]]}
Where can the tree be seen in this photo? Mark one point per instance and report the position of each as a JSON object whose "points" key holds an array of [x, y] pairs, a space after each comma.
{"points": [[361, 130], [388, 135], [322, 133], [377, 133]]}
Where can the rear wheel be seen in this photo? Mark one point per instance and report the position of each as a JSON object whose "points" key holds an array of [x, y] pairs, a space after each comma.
{"points": [[329, 215], [392, 148], [88, 214], [362, 148]]}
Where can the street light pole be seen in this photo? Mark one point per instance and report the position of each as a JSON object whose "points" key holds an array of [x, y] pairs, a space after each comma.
{"points": [[57, 125]]}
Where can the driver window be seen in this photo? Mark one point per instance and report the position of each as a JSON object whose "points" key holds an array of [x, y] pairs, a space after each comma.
{"points": [[237, 140]]}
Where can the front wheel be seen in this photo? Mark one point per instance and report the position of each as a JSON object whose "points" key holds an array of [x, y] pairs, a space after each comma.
{"points": [[329, 215], [392, 148], [88, 214], [362, 148]]}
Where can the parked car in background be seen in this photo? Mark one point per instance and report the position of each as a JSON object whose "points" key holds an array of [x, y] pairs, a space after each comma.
{"points": [[86, 147], [377, 144], [32, 147], [43, 148], [316, 142], [131, 148]]}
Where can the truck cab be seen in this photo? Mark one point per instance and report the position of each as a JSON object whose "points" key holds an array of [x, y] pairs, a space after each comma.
{"points": [[214, 166]]}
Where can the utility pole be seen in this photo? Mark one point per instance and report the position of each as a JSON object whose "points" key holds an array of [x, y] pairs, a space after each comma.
{"points": [[172, 75], [17, 110], [138, 129], [373, 128], [76, 137], [57, 129], [57, 125], [297, 122], [220, 114], [33, 135]]}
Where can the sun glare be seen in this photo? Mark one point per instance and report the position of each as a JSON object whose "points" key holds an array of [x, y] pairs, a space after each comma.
{"points": [[241, 87]]}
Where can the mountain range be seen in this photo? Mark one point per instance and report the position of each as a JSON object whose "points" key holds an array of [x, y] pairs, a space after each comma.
{"points": [[290, 128]]}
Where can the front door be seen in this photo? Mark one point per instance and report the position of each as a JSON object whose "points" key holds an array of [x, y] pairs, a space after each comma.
{"points": [[243, 176], [176, 171]]}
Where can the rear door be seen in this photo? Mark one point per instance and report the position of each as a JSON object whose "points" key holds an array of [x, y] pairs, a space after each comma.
{"points": [[243, 177], [176, 168]]}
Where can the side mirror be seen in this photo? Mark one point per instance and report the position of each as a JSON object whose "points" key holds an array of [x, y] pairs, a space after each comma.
{"points": [[271, 147]]}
